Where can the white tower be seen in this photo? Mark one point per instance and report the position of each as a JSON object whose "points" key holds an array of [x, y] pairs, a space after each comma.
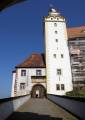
{"points": [[59, 78]]}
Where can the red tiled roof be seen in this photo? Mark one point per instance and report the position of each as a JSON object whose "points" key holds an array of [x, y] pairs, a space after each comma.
{"points": [[34, 61], [76, 32]]}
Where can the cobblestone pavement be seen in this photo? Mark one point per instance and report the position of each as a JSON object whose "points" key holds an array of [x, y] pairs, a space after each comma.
{"points": [[40, 109]]}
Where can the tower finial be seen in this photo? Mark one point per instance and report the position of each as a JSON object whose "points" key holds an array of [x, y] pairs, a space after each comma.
{"points": [[51, 8], [53, 11]]}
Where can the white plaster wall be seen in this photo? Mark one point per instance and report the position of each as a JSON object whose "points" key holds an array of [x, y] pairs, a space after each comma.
{"points": [[21, 79], [32, 72], [26, 79], [13, 82], [58, 48]]}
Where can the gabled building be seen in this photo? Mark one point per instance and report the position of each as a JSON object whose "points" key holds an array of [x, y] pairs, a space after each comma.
{"points": [[30, 77]]}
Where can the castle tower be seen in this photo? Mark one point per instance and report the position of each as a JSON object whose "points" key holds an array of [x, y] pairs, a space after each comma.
{"points": [[58, 69]]}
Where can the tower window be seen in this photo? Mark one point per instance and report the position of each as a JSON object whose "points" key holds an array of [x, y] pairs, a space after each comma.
{"points": [[62, 87], [54, 55], [38, 72], [61, 55], [56, 32], [22, 86], [23, 72], [57, 18], [55, 24], [58, 71], [57, 86], [56, 40]]}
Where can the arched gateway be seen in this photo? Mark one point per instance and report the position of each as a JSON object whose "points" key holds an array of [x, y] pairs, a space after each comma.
{"points": [[38, 91]]}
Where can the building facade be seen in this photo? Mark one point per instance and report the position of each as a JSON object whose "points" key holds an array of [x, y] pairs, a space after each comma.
{"points": [[76, 43], [29, 77]]}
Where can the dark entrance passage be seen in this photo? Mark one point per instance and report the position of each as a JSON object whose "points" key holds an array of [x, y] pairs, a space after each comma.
{"points": [[38, 91]]}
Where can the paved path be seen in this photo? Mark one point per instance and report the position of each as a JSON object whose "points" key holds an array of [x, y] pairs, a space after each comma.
{"points": [[40, 109]]}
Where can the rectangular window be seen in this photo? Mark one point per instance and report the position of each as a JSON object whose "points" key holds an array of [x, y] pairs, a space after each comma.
{"points": [[58, 71], [54, 55], [55, 24], [22, 86], [55, 32], [56, 40], [62, 87], [23, 72], [61, 55], [57, 86], [38, 72]]}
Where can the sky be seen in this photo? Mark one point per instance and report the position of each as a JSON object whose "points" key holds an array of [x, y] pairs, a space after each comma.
{"points": [[21, 32]]}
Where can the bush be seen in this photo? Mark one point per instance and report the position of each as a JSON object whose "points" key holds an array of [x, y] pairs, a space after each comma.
{"points": [[75, 94]]}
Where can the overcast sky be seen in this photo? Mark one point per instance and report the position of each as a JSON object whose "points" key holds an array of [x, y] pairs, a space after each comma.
{"points": [[21, 32]]}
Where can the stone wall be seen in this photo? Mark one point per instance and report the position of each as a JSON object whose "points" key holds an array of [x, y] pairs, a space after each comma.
{"points": [[9, 105]]}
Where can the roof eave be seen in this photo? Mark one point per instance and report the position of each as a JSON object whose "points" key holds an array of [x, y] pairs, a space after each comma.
{"points": [[29, 67]]}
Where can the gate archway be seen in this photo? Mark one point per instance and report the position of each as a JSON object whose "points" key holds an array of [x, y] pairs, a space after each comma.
{"points": [[38, 91]]}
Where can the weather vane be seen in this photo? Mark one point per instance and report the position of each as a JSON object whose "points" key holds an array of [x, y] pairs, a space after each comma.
{"points": [[51, 5]]}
